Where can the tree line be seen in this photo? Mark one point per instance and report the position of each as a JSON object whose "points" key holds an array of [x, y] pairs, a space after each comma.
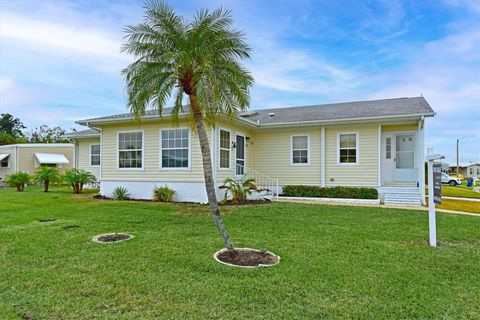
{"points": [[12, 130]]}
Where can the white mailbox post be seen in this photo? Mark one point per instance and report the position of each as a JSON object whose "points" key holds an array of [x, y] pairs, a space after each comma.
{"points": [[432, 226]]}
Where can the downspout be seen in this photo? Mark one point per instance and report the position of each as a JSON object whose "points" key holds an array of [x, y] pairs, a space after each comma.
{"points": [[322, 157], [421, 161]]}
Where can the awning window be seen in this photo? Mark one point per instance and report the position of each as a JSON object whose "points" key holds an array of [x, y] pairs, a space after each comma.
{"points": [[51, 158], [3, 156]]}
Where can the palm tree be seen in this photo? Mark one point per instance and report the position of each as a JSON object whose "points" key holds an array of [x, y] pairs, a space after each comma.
{"points": [[77, 178], [198, 59], [46, 175]]}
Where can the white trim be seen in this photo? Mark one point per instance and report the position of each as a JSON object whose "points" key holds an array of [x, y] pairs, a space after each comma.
{"points": [[101, 155], [323, 157], [220, 168], [39, 145], [421, 160], [379, 155], [90, 155], [241, 134], [213, 152], [357, 148], [308, 150], [189, 167], [142, 131]]}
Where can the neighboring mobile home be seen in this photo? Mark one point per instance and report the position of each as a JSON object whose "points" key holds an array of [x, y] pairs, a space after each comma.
{"points": [[30, 156], [376, 143], [468, 170]]}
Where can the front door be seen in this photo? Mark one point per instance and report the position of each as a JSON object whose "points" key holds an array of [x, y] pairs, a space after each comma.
{"points": [[240, 155], [405, 157], [388, 156]]}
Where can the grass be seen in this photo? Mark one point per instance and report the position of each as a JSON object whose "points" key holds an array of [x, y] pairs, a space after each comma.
{"points": [[337, 262], [460, 205], [460, 191]]}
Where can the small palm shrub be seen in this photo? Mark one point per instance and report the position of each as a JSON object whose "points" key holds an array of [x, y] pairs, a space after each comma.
{"points": [[18, 180], [239, 189], [78, 178], [120, 193], [163, 194], [47, 175]]}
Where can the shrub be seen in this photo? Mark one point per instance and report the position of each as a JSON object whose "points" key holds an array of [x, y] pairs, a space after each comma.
{"points": [[120, 193], [330, 192], [163, 194], [18, 180], [77, 178], [47, 175], [239, 190]]}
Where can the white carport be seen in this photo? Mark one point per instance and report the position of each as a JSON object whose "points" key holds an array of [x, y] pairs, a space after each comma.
{"points": [[51, 158]]}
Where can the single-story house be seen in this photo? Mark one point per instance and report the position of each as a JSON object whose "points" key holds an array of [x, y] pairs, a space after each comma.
{"points": [[30, 156], [378, 143], [468, 170]]}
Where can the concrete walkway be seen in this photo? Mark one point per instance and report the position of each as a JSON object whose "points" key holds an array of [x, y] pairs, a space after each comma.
{"points": [[415, 208]]}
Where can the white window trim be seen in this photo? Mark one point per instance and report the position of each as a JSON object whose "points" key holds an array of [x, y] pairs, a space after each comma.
{"points": [[142, 131], [90, 155], [357, 148], [189, 168], [308, 150], [220, 168], [8, 163], [241, 134]]}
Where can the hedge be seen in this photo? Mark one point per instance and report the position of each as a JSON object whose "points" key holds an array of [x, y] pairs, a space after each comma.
{"points": [[330, 192]]}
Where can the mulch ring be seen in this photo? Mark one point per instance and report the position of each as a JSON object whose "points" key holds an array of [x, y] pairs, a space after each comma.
{"points": [[47, 220], [247, 258], [112, 238]]}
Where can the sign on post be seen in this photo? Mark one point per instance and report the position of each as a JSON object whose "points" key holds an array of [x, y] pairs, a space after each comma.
{"points": [[437, 183]]}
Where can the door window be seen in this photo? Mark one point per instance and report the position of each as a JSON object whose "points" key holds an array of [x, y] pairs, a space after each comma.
{"points": [[405, 152]]}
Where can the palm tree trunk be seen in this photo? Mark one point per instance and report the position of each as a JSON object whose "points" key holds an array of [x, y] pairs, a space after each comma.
{"points": [[46, 183], [207, 171]]}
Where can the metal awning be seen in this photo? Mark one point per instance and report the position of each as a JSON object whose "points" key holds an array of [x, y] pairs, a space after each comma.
{"points": [[3, 156], [53, 158]]}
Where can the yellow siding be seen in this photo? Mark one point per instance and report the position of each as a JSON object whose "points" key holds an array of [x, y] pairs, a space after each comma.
{"points": [[27, 161], [152, 170], [400, 127], [364, 174], [271, 155], [83, 161]]}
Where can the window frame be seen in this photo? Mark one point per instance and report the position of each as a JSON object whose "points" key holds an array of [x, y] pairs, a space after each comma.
{"points": [[308, 150], [189, 168], [142, 168], [99, 154], [8, 163], [357, 148], [220, 148]]}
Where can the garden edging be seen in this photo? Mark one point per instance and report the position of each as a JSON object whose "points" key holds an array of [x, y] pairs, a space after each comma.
{"points": [[337, 200]]}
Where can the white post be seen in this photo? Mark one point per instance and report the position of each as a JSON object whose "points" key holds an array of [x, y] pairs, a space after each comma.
{"points": [[277, 190], [431, 207]]}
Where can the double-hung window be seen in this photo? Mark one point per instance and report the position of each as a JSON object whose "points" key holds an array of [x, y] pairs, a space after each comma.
{"points": [[347, 148], [300, 150], [94, 154], [175, 144], [130, 150], [224, 149]]}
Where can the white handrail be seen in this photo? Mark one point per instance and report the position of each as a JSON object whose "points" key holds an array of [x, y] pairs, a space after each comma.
{"points": [[267, 184]]}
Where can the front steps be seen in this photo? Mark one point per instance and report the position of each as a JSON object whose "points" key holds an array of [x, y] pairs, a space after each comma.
{"points": [[401, 196]]}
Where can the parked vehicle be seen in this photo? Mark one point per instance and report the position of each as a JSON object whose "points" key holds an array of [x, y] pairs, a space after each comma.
{"points": [[450, 180]]}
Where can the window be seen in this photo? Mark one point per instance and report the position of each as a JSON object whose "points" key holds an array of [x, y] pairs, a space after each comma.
{"points": [[95, 155], [347, 148], [4, 163], [300, 150], [175, 148], [224, 149], [130, 150], [388, 148], [478, 171], [471, 170]]}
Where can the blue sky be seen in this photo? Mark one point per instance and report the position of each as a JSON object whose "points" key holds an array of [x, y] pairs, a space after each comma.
{"points": [[60, 60]]}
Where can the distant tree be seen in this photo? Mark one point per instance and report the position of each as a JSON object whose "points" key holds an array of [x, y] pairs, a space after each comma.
{"points": [[46, 134], [11, 126]]}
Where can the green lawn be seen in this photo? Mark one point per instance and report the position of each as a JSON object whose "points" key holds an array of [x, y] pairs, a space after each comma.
{"points": [[337, 262], [461, 191]]}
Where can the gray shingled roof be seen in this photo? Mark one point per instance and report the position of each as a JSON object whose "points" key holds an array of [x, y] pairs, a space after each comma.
{"points": [[324, 112], [83, 133], [345, 110]]}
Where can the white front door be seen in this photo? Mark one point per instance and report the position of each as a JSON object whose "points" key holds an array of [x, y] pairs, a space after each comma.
{"points": [[388, 156], [240, 155], [405, 157]]}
